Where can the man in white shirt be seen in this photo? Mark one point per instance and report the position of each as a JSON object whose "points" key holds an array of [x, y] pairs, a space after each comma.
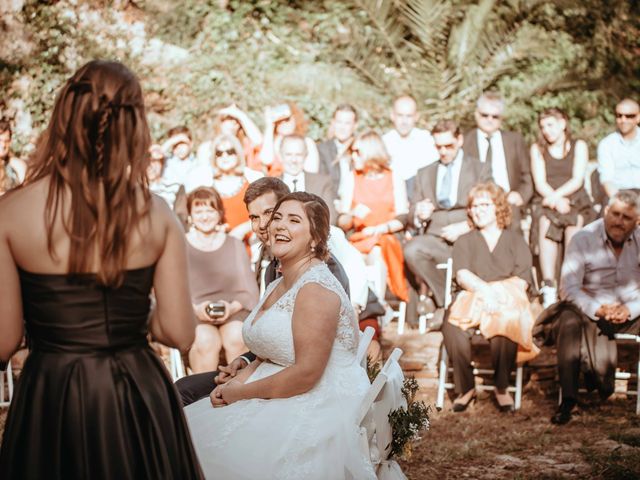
{"points": [[293, 153], [619, 152], [504, 152], [439, 206], [331, 151], [409, 147]]}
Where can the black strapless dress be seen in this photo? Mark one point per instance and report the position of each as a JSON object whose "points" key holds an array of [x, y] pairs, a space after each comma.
{"points": [[93, 400]]}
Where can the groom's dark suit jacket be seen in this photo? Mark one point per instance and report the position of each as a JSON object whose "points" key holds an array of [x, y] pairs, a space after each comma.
{"points": [[320, 185], [516, 155]]}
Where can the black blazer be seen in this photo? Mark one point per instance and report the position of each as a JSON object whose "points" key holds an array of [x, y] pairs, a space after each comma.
{"points": [[517, 158], [471, 173], [321, 185], [328, 151]]}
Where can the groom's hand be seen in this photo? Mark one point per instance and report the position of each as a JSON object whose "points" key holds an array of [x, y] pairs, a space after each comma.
{"points": [[230, 371]]}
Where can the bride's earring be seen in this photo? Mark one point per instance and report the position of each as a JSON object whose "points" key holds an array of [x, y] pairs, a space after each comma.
{"points": [[313, 249]]}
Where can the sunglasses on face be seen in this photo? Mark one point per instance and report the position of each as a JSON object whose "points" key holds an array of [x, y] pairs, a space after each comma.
{"points": [[628, 116], [220, 153], [489, 115]]}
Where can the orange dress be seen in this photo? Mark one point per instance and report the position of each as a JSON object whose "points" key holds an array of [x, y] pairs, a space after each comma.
{"points": [[377, 195], [235, 210]]}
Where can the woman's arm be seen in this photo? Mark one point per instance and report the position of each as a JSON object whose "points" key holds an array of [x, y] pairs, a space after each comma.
{"points": [[267, 153], [580, 161], [11, 322], [312, 163], [173, 321], [314, 324], [250, 128]]}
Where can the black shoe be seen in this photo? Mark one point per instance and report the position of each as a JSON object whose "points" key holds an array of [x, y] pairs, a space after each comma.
{"points": [[461, 407], [434, 323], [563, 414]]}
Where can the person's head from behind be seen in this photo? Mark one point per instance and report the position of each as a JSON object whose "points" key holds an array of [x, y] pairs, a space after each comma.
{"points": [[368, 153], [293, 153], [489, 110], [554, 126], [205, 209], [621, 216], [184, 142], [487, 206], [344, 122], [260, 198], [627, 116], [448, 140], [404, 114], [227, 155], [96, 146], [299, 228], [5, 140]]}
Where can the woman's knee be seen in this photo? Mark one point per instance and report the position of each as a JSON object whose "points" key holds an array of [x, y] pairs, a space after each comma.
{"points": [[207, 338]]}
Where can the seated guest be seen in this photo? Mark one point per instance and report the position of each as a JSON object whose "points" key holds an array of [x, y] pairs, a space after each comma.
{"points": [[600, 291], [178, 151], [223, 289], [374, 206], [13, 166], [619, 152], [558, 165], [227, 172], [409, 147], [505, 153], [158, 184], [438, 207], [294, 155], [280, 121], [333, 161], [233, 121], [492, 267]]}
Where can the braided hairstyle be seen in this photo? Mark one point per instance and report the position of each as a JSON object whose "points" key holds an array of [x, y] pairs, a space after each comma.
{"points": [[97, 147]]}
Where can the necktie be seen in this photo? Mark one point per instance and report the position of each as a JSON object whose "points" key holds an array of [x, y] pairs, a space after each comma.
{"points": [[295, 184], [445, 187], [488, 158]]}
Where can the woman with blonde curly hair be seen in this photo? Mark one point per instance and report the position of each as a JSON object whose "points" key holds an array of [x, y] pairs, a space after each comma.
{"points": [[227, 172], [492, 267]]}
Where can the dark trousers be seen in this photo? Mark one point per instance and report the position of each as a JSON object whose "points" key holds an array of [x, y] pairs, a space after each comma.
{"points": [[587, 345], [421, 255], [458, 345], [194, 387]]}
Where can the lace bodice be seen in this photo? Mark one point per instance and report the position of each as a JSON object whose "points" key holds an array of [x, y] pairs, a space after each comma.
{"points": [[271, 336]]}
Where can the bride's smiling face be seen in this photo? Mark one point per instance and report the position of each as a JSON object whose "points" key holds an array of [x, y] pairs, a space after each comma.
{"points": [[289, 231]]}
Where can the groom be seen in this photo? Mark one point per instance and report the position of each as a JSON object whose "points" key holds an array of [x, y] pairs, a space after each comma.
{"points": [[260, 199]]}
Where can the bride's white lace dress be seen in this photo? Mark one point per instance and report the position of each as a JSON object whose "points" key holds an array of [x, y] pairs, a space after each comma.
{"points": [[308, 436]]}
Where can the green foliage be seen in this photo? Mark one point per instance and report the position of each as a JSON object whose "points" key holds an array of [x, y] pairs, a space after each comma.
{"points": [[407, 423]]}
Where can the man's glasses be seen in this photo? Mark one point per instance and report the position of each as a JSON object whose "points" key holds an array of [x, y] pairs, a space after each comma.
{"points": [[489, 115], [220, 153], [628, 116]]}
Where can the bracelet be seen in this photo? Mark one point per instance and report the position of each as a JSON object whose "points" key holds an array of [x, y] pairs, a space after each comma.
{"points": [[245, 359]]}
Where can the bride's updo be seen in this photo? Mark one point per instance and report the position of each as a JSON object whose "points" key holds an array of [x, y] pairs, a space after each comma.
{"points": [[317, 212]]}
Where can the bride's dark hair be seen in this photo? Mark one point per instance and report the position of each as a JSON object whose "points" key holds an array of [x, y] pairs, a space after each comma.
{"points": [[96, 145], [318, 215]]}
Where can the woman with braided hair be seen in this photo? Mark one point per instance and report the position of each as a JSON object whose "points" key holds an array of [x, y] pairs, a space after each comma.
{"points": [[93, 400]]}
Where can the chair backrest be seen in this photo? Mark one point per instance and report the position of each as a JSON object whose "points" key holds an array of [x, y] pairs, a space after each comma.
{"points": [[383, 396], [363, 345]]}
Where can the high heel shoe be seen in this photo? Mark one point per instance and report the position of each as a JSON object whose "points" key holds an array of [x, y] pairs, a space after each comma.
{"points": [[462, 406], [507, 404]]}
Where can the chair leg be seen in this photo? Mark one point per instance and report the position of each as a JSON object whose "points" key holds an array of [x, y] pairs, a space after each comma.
{"points": [[177, 368], [518, 399], [422, 324], [442, 377], [638, 379], [402, 315]]}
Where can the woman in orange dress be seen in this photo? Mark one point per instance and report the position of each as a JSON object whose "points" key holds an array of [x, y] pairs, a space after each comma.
{"points": [[226, 171], [373, 206]]}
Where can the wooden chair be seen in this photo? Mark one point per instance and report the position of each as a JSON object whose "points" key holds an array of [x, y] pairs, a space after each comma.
{"points": [[363, 345], [6, 376], [448, 267], [176, 367]]}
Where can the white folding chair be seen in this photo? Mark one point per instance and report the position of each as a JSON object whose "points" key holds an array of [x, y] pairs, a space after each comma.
{"points": [[363, 345], [448, 267], [443, 384], [176, 367], [383, 396], [6, 376]]}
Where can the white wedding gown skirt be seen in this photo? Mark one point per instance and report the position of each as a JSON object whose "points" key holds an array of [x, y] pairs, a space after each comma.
{"points": [[309, 436]]}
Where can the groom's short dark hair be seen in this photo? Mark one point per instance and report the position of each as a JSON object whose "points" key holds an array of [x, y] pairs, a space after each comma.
{"points": [[263, 186]]}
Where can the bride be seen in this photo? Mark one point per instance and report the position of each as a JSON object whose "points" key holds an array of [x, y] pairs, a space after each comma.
{"points": [[291, 412]]}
